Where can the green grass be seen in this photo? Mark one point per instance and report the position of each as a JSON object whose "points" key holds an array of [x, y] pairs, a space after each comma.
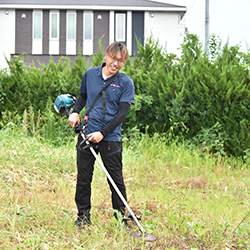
{"points": [[186, 197]]}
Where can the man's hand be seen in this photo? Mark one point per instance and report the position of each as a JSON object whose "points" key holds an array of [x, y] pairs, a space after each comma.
{"points": [[95, 137], [73, 119]]}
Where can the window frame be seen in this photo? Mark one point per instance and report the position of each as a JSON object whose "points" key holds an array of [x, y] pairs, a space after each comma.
{"points": [[67, 25], [84, 25], [117, 26], [53, 12], [33, 25]]}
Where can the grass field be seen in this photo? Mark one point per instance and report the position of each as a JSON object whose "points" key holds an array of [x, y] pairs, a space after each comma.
{"points": [[188, 199]]}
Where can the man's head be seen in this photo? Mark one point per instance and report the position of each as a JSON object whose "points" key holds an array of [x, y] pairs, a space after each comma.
{"points": [[116, 55], [116, 47]]}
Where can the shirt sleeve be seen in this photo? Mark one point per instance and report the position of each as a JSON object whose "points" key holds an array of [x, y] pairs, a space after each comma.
{"points": [[80, 103], [128, 93], [83, 87], [117, 120]]}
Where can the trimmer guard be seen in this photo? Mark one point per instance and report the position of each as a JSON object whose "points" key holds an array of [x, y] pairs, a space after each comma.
{"points": [[145, 236]]}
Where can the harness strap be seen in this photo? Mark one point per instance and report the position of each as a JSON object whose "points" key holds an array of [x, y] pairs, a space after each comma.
{"points": [[103, 94], [103, 104]]}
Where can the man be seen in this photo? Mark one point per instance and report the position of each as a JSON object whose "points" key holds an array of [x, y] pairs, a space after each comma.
{"points": [[103, 127]]}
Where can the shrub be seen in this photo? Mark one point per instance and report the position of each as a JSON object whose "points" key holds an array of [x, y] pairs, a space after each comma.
{"points": [[193, 93], [202, 97]]}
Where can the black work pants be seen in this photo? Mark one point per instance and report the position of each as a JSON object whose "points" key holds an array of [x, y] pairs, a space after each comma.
{"points": [[111, 154]]}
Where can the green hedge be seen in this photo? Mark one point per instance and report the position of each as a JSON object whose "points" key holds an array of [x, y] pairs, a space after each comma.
{"points": [[28, 86], [188, 96], [203, 98]]}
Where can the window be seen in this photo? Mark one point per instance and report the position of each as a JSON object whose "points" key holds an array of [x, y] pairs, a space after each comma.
{"points": [[71, 32], [88, 26], [120, 27], [54, 32], [71, 26], [37, 25], [54, 25], [37, 33]]}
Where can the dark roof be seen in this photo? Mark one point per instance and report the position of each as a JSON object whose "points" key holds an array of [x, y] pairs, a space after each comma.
{"points": [[125, 3]]}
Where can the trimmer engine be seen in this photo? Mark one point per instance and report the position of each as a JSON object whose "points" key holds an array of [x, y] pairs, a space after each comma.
{"points": [[63, 103]]}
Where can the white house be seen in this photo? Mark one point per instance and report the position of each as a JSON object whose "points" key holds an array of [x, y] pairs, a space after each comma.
{"points": [[42, 28]]}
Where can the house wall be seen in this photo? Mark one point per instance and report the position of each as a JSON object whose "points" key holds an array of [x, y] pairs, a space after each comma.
{"points": [[45, 32], [101, 29], [62, 32], [7, 36], [164, 27], [23, 32], [79, 30], [137, 30]]}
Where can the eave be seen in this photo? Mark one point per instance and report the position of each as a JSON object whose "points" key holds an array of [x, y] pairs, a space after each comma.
{"points": [[92, 7]]}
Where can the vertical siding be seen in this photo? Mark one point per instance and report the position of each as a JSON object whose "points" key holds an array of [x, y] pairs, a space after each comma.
{"points": [[169, 39], [79, 30], [62, 34], [45, 31], [101, 29], [7, 36], [137, 30], [23, 32]]}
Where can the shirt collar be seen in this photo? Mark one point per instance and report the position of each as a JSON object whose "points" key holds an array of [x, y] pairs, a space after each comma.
{"points": [[100, 70]]}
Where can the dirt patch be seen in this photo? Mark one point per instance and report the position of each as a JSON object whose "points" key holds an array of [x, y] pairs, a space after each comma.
{"points": [[198, 183], [173, 182]]}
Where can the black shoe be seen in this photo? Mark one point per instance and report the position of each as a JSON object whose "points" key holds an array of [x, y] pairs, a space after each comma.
{"points": [[126, 225], [83, 221], [120, 221]]}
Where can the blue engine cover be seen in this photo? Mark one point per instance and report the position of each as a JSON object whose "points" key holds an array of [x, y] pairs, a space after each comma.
{"points": [[62, 102]]}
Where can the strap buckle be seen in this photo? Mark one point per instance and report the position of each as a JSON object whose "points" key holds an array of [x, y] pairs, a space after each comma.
{"points": [[86, 118]]}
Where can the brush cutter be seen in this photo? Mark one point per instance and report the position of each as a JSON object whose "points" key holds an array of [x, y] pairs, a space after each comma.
{"points": [[62, 105]]}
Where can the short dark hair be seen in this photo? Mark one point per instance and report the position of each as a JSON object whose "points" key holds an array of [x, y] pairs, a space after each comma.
{"points": [[115, 47]]}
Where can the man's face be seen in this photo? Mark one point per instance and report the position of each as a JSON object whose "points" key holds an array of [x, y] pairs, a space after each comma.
{"points": [[114, 62]]}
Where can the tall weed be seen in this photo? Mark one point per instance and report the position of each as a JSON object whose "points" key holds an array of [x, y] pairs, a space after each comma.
{"points": [[187, 198]]}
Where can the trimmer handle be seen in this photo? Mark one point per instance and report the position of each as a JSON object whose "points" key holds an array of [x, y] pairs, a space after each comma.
{"points": [[79, 130], [67, 112]]}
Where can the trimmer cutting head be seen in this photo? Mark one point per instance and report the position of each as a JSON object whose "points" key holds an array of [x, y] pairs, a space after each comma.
{"points": [[145, 236]]}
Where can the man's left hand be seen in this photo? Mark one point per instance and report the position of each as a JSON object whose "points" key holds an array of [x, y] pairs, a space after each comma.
{"points": [[95, 137]]}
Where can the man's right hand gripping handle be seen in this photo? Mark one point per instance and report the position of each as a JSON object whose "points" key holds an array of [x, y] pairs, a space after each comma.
{"points": [[74, 119]]}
